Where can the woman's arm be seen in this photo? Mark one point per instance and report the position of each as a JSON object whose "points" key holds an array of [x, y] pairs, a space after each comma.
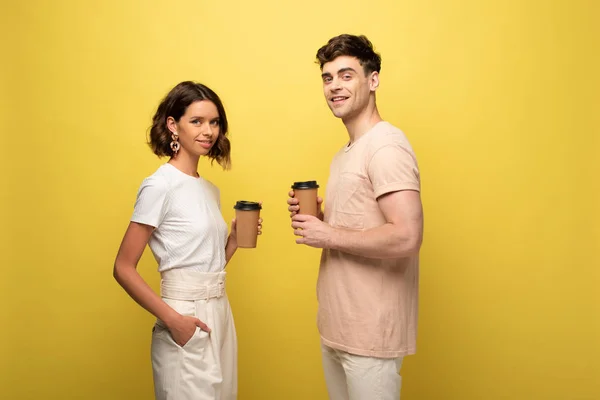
{"points": [[231, 245], [125, 272]]}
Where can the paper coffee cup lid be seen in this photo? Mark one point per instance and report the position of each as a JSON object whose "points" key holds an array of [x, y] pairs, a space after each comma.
{"points": [[305, 185], [243, 205]]}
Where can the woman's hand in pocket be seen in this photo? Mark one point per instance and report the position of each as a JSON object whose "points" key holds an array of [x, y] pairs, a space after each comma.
{"points": [[183, 328]]}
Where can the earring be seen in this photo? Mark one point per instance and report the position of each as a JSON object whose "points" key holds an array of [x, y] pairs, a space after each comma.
{"points": [[175, 143]]}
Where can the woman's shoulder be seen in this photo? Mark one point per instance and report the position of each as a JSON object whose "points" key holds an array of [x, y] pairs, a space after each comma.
{"points": [[159, 180]]}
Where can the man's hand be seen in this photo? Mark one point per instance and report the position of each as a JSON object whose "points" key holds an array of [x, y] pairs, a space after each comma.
{"points": [[293, 206], [312, 231]]}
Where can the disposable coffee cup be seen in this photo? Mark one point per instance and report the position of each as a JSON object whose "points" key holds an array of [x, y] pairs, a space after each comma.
{"points": [[247, 214], [306, 193]]}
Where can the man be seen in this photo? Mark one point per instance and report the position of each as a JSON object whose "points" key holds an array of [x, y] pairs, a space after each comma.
{"points": [[370, 233]]}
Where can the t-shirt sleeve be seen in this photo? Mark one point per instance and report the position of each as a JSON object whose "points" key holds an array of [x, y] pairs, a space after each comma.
{"points": [[393, 167], [151, 203]]}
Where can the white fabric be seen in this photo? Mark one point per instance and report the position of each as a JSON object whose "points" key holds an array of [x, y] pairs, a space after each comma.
{"points": [[352, 377], [190, 230], [205, 368]]}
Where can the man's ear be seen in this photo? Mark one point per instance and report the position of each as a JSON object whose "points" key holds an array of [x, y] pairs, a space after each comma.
{"points": [[374, 81]]}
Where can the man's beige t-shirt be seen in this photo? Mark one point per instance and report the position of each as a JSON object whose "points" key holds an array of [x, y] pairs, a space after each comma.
{"points": [[368, 306]]}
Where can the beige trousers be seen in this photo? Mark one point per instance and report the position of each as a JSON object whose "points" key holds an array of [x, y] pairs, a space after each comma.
{"points": [[205, 368], [352, 377]]}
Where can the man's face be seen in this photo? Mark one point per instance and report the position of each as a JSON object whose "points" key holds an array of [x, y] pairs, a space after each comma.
{"points": [[346, 88]]}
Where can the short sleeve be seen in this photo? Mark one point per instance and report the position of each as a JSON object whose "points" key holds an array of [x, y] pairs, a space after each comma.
{"points": [[393, 167], [150, 205]]}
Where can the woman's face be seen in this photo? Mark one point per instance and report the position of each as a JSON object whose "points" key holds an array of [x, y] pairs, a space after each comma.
{"points": [[198, 128]]}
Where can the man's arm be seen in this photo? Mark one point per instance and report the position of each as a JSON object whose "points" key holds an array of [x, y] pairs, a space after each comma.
{"points": [[401, 236]]}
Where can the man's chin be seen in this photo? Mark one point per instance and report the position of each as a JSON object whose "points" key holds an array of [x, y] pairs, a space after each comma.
{"points": [[337, 113]]}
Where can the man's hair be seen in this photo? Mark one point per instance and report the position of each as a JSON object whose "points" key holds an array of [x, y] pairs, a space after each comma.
{"points": [[353, 46]]}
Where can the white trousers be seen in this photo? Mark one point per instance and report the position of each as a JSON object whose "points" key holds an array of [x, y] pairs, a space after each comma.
{"points": [[352, 377], [205, 368]]}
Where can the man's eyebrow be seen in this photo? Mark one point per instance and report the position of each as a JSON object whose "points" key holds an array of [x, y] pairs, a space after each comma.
{"points": [[346, 70]]}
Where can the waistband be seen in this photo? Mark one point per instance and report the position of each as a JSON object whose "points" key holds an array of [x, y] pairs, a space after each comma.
{"points": [[185, 284]]}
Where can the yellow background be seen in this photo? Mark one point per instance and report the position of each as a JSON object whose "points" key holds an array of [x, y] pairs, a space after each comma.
{"points": [[499, 99]]}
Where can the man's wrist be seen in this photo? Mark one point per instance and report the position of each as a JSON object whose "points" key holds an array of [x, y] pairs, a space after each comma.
{"points": [[334, 239]]}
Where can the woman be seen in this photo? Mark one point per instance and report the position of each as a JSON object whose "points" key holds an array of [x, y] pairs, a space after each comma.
{"points": [[177, 212]]}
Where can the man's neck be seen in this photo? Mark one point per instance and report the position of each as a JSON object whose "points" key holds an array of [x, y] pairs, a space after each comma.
{"points": [[362, 123]]}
